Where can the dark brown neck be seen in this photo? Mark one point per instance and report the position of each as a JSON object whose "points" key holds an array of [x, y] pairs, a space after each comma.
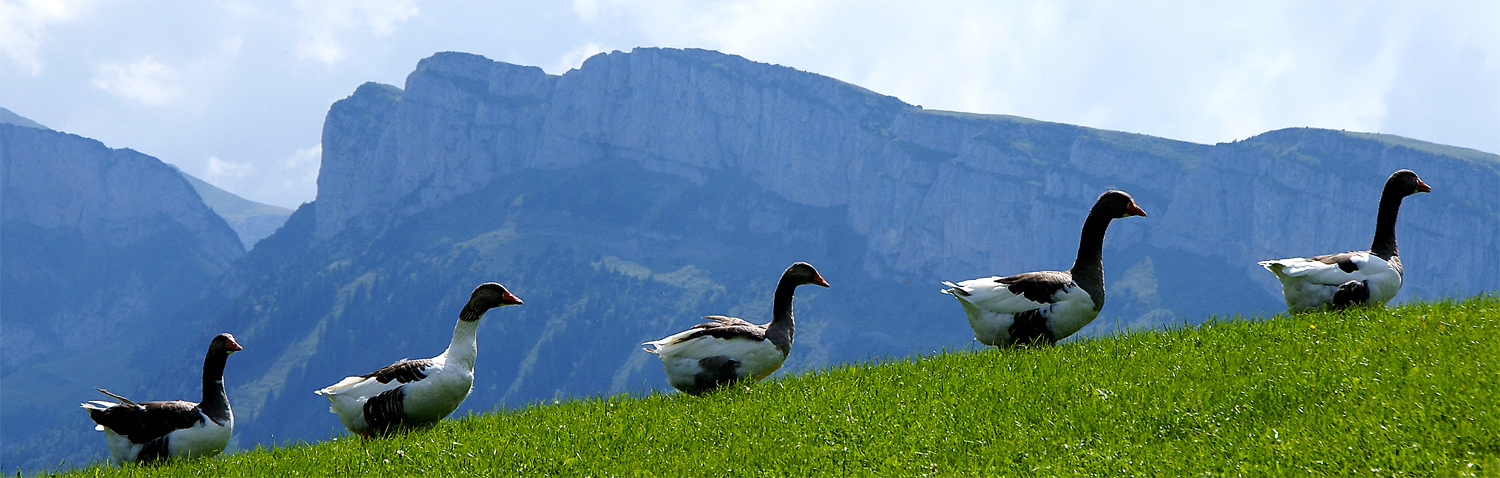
{"points": [[215, 402], [1088, 268], [783, 327], [1384, 245], [1090, 264]]}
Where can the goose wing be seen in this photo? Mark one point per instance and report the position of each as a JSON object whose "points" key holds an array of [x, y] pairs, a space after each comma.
{"points": [[145, 421], [724, 321], [1013, 294], [386, 378], [1328, 269], [722, 328]]}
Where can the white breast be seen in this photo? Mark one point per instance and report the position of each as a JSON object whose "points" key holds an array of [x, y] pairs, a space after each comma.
{"points": [[203, 439], [1072, 310], [433, 398]]}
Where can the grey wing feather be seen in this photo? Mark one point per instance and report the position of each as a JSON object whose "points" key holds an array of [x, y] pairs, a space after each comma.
{"points": [[723, 321]]}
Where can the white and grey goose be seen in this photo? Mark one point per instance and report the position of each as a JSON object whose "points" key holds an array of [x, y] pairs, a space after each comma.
{"points": [[416, 393], [712, 354], [1049, 305], [1355, 277], [151, 431]]}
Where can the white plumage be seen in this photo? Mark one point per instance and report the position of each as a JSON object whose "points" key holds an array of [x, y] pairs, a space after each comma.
{"points": [[416, 393], [682, 356], [992, 309], [1309, 283], [1045, 306], [425, 401], [206, 438], [712, 354]]}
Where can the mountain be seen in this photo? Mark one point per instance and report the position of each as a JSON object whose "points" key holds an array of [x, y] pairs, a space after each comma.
{"points": [[101, 249], [626, 198], [630, 196], [10, 117], [251, 220]]}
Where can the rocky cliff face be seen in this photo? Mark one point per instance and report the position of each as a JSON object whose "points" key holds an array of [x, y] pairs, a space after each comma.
{"points": [[101, 249], [934, 194], [922, 186], [108, 200]]}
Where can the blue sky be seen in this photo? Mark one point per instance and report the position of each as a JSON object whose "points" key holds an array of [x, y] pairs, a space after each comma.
{"points": [[235, 91]]}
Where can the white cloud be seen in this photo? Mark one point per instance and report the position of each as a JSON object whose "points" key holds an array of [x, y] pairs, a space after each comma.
{"points": [[1203, 72], [286, 182], [304, 159], [297, 180], [147, 81], [323, 24], [574, 59], [226, 173], [23, 28], [587, 10]]}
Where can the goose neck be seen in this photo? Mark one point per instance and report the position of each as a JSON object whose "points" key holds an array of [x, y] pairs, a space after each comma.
{"points": [[1384, 244], [215, 402], [781, 309], [1088, 268], [783, 327], [465, 347]]}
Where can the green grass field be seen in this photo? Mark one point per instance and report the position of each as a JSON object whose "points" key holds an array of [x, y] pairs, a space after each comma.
{"points": [[1408, 390]]}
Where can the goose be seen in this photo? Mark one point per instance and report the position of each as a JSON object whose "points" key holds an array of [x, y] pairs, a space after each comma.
{"points": [[150, 431], [1045, 306], [712, 354], [1356, 277], [417, 393]]}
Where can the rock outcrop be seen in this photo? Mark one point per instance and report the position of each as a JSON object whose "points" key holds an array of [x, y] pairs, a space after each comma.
{"points": [[935, 194]]}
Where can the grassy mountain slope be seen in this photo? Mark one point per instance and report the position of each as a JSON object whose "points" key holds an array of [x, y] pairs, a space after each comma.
{"points": [[1386, 391]]}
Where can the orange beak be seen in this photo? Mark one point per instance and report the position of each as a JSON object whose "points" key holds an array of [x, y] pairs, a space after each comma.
{"points": [[510, 299], [1135, 210], [1423, 187]]}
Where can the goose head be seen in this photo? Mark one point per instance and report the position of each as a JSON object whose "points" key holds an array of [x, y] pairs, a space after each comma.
{"points": [[804, 273], [224, 344], [1406, 183], [487, 296], [1116, 204]]}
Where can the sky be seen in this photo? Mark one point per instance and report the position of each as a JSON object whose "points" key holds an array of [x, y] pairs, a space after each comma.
{"points": [[235, 91]]}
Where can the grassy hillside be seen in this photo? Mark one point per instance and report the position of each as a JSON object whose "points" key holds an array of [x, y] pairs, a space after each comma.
{"points": [[1383, 391]]}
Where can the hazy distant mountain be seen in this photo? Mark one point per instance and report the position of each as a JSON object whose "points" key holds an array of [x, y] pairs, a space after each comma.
{"points": [[101, 249], [626, 198], [634, 194], [9, 117], [251, 220]]}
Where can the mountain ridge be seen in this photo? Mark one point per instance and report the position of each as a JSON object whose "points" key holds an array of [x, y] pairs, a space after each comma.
{"points": [[251, 220]]}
